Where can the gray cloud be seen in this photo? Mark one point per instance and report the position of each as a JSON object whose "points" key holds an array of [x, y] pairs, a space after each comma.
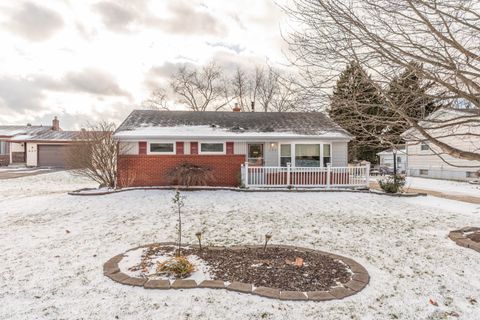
{"points": [[188, 19], [34, 22], [182, 17], [115, 16], [19, 95], [115, 113], [24, 94], [92, 81]]}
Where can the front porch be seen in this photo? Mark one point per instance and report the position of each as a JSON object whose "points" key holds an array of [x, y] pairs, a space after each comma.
{"points": [[305, 177]]}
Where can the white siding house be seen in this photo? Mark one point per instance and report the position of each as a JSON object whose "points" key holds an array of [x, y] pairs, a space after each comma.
{"points": [[386, 159], [427, 160]]}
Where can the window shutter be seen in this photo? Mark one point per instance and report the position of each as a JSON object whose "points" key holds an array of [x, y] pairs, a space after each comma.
{"points": [[229, 146], [142, 147], [179, 147], [194, 147]]}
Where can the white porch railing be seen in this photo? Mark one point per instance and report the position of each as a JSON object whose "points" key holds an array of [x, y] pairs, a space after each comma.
{"points": [[326, 177]]}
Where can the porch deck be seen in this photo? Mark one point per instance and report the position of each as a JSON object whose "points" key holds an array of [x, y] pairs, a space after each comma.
{"points": [[315, 177]]}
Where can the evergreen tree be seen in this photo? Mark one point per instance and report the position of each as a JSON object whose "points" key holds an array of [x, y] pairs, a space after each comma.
{"points": [[355, 101], [408, 92]]}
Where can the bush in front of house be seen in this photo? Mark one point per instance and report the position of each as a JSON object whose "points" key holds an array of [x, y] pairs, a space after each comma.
{"points": [[392, 184], [188, 174]]}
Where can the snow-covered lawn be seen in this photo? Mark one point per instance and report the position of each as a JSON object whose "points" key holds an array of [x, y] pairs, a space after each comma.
{"points": [[444, 186], [53, 247]]}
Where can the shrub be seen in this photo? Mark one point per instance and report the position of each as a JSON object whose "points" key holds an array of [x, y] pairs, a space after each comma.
{"points": [[187, 174], [179, 267], [392, 184]]}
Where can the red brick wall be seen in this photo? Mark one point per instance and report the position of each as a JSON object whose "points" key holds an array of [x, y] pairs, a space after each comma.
{"points": [[151, 170]]}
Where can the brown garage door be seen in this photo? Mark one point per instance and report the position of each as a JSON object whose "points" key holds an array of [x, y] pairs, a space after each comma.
{"points": [[52, 156]]}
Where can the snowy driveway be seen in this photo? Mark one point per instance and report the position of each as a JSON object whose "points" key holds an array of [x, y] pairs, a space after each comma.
{"points": [[53, 247]]}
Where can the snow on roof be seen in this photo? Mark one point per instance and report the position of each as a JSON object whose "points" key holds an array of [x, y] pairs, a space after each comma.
{"points": [[10, 131], [170, 124], [216, 132]]}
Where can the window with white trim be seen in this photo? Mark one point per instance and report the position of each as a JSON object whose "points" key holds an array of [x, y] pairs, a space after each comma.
{"points": [[307, 155], [207, 147], [424, 146], [285, 154], [161, 147], [327, 154]]}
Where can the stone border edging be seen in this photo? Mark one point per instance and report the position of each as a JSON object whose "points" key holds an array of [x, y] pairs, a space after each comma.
{"points": [[101, 193], [359, 280], [458, 236]]}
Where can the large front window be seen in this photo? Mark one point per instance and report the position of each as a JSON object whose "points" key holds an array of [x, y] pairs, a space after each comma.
{"points": [[161, 147], [211, 147], [307, 155]]}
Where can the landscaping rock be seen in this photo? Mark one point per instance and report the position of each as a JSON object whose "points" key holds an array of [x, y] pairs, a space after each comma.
{"points": [[240, 287], [319, 296], [267, 292], [157, 284], [212, 284], [110, 268], [341, 292], [118, 277], [355, 285], [361, 277], [139, 282], [293, 295], [183, 284]]}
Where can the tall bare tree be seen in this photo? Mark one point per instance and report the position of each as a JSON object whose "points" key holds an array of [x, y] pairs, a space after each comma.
{"points": [[158, 100], [203, 89], [386, 37]]}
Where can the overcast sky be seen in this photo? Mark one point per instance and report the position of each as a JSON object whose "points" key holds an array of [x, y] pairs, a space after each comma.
{"points": [[92, 60]]}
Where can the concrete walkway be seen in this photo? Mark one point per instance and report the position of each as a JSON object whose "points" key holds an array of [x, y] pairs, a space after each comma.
{"points": [[464, 198], [8, 173]]}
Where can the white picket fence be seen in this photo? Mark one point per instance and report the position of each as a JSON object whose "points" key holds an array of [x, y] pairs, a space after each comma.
{"points": [[326, 177]]}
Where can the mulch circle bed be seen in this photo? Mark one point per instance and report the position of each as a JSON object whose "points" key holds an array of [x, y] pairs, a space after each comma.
{"points": [[281, 272], [468, 237]]}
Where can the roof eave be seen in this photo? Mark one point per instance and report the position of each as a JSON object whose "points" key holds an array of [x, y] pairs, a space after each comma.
{"points": [[236, 137]]}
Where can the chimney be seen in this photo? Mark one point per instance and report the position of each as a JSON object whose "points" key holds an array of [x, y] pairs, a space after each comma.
{"points": [[236, 108], [55, 124]]}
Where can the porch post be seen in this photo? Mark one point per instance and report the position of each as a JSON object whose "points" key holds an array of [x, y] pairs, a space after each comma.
{"points": [[329, 170], [246, 174], [289, 167], [367, 174]]}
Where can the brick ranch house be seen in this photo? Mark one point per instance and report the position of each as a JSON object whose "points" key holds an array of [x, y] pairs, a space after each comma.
{"points": [[153, 142], [35, 146]]}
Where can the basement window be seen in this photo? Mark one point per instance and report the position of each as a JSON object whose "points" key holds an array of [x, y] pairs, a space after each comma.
{"points": [[161, 148], [423, 172], [211, 147]]}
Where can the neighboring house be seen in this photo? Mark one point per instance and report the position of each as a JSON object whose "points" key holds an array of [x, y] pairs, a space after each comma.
{"points": [[386, 158], [424, 159], [153, 142], [35, 146]]}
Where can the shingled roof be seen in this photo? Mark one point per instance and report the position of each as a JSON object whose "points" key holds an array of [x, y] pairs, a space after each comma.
{"points": [[267, 123], [10, 131], [50, 135]]}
